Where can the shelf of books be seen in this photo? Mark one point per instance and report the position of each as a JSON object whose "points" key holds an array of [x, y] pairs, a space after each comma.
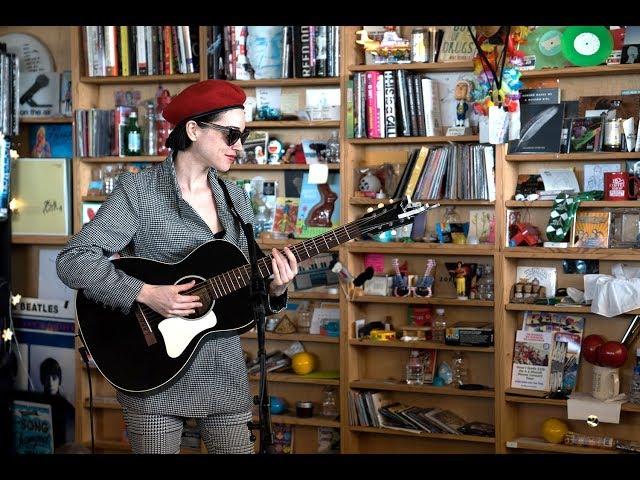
{"points": [[411, 154], [549, 250]]}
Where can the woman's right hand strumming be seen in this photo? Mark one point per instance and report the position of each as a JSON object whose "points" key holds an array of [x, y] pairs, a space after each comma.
{"points": [[168, 300]]}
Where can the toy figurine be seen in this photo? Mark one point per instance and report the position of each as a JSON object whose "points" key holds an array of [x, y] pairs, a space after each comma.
{"points": [[461, 271], [462, 94], [424, 287]]}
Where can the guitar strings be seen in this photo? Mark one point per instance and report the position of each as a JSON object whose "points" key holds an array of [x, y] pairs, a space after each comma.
{"points": [[151, 314], [201, 287]]}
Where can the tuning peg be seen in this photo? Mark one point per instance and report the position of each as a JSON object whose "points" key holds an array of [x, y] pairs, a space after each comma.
{"points": [[381, 205]]}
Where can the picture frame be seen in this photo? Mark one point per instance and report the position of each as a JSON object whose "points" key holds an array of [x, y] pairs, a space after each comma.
{"points": [[42, 190], [625, 228]]}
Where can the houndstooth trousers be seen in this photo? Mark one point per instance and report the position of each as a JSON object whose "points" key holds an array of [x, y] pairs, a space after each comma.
{"points": [[226, 434], [146, 216]]}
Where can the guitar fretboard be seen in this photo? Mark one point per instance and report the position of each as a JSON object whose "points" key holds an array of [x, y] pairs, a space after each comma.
{"points": [[240, 277]]}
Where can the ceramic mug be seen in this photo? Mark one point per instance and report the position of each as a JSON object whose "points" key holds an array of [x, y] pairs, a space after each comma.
{"points": [[606, 382]]}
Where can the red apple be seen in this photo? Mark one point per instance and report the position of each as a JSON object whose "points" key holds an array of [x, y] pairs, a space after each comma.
{"points": [[590, 346], [612, 354]]}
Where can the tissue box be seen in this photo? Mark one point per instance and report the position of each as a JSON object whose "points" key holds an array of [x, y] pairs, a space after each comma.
{"points": [[469, 334]]}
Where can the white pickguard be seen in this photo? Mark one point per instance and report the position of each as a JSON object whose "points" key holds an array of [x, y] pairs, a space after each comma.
{"points": [[178, 332]]}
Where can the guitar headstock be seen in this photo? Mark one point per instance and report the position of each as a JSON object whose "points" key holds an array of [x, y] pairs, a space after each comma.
{"points": [[393, 215]]}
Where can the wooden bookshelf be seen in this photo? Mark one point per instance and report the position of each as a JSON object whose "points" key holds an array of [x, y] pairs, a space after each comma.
{"points": [[281, 166], [317, 293], [417, 344], [376, 201], [40, 239], [130, 159], [517, 399], [294, 124], [572, 157], [572, 252], [598, 71], [420, 434], [418, 248], [421, 301], [423, 67], [94, 198], [288, 82], [292, 337], [585, 204], [406, 140], [107, 445], [540, 445], [293, 378], [182, 77], [397, 386], [46, 120], [564, 308], [315, 421]]}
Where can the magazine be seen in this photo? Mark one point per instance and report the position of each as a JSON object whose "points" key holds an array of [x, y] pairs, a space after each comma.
{"points": [[531, 360], [569, 329], [284, 222]]}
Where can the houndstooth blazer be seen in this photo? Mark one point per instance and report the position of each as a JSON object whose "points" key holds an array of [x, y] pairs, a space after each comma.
{"points": [[146, 216]]}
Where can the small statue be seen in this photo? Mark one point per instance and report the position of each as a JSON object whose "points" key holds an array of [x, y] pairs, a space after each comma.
{"points": [[461, 273], [462, 94], [320, 214]]}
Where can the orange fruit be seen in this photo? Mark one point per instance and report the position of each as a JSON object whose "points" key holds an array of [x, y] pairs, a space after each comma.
{"points": [[303, 363], [554, 430]]}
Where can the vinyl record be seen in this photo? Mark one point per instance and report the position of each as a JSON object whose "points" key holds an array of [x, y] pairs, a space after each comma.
{"points": [[544, 44], [587, 46]]}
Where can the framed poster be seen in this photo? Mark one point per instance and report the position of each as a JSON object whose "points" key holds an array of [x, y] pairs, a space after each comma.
{"points": [[42, 189]]}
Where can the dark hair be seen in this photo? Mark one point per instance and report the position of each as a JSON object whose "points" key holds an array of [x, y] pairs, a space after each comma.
{"points": [[179, 140], [50, 368]]}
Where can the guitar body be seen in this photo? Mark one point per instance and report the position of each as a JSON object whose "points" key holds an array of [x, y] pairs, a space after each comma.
{"points": [[120, 348]]}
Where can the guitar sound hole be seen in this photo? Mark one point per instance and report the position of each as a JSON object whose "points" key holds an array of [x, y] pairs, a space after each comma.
{"points": [[202, 292]]}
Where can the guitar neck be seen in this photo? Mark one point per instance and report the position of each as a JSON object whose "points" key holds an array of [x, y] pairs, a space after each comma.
{"points": [[240, 277]]}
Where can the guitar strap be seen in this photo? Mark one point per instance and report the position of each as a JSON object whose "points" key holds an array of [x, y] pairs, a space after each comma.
{"points": [[236, 215]]}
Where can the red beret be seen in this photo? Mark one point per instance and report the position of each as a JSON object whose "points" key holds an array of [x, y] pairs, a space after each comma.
{"points": [[203, 97]]}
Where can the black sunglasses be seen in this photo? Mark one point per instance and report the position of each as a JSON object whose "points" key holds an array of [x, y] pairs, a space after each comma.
{"points": [[233, 134]]}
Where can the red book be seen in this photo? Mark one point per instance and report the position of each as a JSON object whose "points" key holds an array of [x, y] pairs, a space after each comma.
{"points": [[373, 112]]}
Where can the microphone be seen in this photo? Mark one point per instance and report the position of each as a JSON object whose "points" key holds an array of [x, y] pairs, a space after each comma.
{"points": [[342, 272], [364, 276]]}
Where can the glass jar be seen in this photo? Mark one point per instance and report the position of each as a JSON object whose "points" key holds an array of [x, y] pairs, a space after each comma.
{"points": [[329, 402], [304, 320], [332, 152], [485, 283], [261, 221]]}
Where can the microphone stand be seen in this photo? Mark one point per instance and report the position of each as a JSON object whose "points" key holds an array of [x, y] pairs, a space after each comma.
{"points": [[258, 297]]}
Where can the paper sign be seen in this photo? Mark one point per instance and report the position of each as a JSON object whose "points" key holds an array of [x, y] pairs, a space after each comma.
{"points": [[581, 405], [498, 125], [318, 173]]}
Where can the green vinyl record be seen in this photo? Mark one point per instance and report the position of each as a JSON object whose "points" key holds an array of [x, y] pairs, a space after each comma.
{"points": [[544, 45], [586, 46]]}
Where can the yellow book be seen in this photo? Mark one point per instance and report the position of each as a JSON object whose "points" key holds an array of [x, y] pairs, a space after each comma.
{"points": [[417, 170], [124, 50]]}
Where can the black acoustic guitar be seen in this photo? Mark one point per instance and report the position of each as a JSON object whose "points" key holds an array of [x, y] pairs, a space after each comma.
{"points": [[143, 352]]}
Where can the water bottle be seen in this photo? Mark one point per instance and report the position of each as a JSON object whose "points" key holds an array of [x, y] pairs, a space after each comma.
{"points": [[439, 326], [415, 369], [634, 391]]}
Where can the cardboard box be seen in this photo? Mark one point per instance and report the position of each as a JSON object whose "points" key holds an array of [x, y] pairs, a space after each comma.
{"points": [[469, 334]]}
